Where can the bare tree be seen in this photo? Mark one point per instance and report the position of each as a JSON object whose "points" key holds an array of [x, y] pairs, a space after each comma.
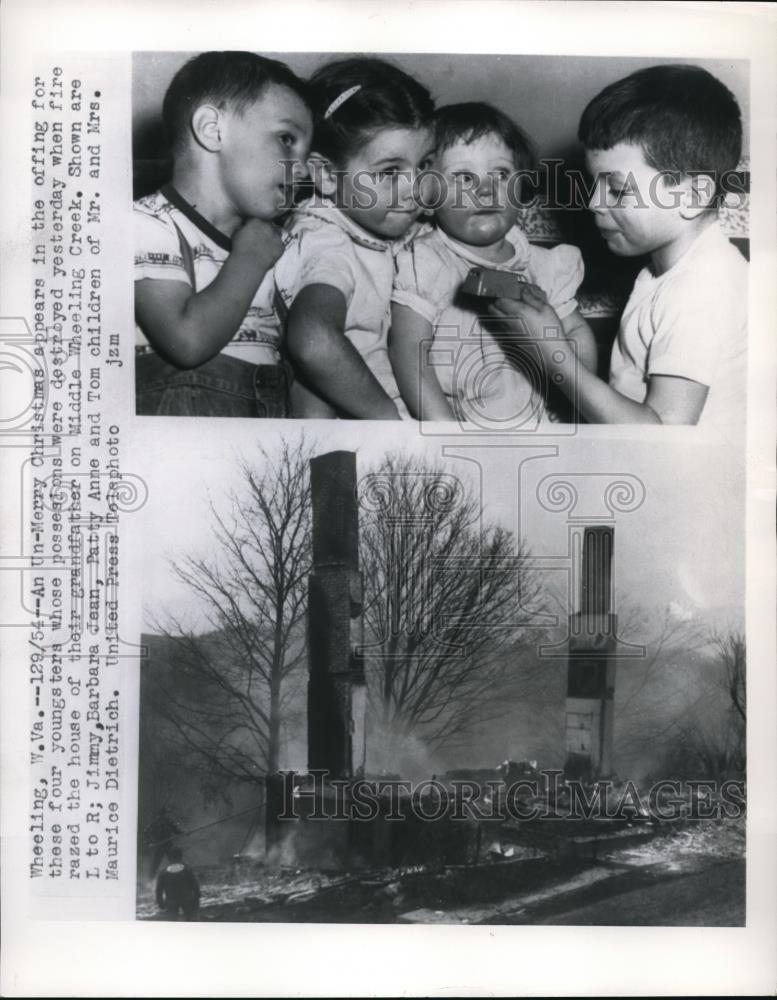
{"points": [[732, 654], [444, 601], [445, 597], [237, 680], [680, 708], [714, 733], [650, 685]]}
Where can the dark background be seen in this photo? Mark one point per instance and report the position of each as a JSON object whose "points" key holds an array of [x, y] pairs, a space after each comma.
{"points": [[544, 94]]}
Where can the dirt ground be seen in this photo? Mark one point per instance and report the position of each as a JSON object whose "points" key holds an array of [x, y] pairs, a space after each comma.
{"points": [[693, 876]]}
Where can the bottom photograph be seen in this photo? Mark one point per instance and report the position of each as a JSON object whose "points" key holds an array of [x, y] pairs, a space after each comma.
{"points": [[429, 682]]}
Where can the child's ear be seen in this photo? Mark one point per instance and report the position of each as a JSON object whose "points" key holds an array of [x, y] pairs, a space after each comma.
{"points": [[698, 195], [323, 175], [206, 127]]}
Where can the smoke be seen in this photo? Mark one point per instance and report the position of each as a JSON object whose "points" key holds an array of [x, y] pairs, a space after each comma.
{"points": [[404, 755], [319, 845], [680, 613]]}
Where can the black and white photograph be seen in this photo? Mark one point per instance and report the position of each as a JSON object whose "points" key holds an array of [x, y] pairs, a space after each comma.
{"points": [[387, 567], [431, 245], [382, 687]]}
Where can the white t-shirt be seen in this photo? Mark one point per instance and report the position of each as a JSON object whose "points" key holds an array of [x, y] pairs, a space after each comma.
{"points": [[689, 322], [159, 255], [326, 247], [481, 382]]}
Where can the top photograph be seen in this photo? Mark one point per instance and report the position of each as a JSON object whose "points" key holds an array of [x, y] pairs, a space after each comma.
{"points": [[506, 244]]}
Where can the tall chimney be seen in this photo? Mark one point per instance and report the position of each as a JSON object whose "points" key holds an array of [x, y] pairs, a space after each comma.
{"points": [[591, 662], [336, 690], [596, 580]]}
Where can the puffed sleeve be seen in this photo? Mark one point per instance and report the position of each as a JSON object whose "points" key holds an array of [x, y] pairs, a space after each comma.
{"points": [[157, 248], [559, 273], [316, 253], [422, 279]]}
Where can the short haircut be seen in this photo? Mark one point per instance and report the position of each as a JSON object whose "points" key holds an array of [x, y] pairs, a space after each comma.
{"points": [[225, 79], [386, 97], [475, 119], [684, 118]]}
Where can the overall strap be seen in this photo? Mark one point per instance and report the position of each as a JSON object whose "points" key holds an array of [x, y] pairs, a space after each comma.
{"points": [[187, 255], [280, 306], [205, 227]]}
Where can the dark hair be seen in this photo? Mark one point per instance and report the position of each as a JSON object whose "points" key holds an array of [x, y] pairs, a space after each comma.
{"points": [[234, 79], [475, 119], [175, 854], [684, 118], [387, 98]]}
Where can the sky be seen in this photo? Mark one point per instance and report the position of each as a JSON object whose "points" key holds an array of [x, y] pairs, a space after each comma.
{"points": [[678, 513]]}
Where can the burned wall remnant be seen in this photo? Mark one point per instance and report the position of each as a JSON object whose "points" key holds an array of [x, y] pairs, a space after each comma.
{"points": [[336, 685], [591, 662]]}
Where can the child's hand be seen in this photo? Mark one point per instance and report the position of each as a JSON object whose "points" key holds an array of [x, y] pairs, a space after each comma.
{"points": [[527, 301], [533, 295], [530, 317], [189, 328], [260, 241]]}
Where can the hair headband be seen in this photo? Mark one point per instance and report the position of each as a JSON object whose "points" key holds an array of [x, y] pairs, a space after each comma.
{"points": [[338, 101]]}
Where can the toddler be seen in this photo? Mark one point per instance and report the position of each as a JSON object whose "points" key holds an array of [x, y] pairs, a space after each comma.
{"points": [[372, 138], [479, 374]]}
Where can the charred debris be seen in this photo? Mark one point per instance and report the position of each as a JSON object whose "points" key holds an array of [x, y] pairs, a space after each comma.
{"points": [[340, 815]]}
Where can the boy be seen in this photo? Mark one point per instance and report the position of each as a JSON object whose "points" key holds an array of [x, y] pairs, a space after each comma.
{"points": [[659, 144], [207, 333]]}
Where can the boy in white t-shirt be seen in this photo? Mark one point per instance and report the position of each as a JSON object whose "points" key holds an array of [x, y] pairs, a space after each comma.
{"points": [[208, 336], [661, 144]]}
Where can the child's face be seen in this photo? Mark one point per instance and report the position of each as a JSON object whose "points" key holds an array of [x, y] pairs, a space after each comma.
{"points": [[636, 210], [263, 151], [480, 206], [378, 188]]}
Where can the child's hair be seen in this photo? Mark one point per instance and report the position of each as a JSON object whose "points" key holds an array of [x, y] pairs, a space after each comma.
{"points": [[225, 79], [475, 119], [684, 118], [382, 96]]}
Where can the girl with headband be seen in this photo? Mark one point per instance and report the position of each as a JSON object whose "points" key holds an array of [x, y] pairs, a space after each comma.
{"points": [[372, 140]]}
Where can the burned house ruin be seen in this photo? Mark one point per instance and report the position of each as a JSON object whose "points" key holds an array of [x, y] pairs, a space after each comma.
{"points": [[337, 694]]}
